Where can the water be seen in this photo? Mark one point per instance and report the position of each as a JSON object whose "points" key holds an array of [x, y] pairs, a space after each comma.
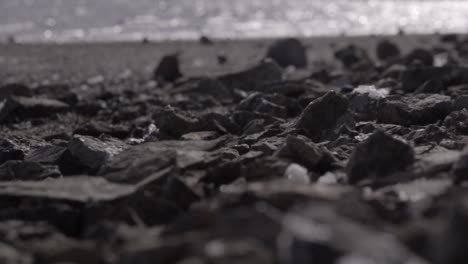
{"points": [[108, 20]]}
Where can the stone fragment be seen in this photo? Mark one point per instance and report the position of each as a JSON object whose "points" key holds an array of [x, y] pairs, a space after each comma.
{"points": [[322, 114], [377, 157], [253, 78], [20, 108], [9, 151], [288, 52], [14, 170], [168, 69], [387, 50]]}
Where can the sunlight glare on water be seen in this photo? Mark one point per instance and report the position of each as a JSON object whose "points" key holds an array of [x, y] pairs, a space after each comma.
{"points": [[108, 20]]}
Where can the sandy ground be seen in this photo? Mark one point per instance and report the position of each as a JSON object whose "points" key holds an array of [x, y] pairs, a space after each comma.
{"points": [[76, 63]]}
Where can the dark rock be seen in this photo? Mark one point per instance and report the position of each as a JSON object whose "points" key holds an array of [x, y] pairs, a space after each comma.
{"points": [[20, 108], [14, 89], [377, 157], [420, 56], [9, 151], [303, 151], [288, 52], [419, 109], [258, 103], [322, 114], [460, 103], [14, 170], [387, 50], [46, 155], [168, 69], [175, 123], [449, 38], [222, 59], [431, 86], [364, 101], [254, 78], [352, 56], [413, 79], [205, 87], [204, 40], [458, 120], [92, 153]]}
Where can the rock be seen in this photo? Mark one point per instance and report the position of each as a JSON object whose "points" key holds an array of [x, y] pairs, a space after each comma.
{"points": [[46, 155], [175, 123], [288, 52], [92, 153], [387, 50], [297, 173], [20, 108], [137, 163], [364, 101], [458, 120], [14, 89], [257, 102], [431, 86], [420, 56], [204, 40], [322, 114], [449, 38], [420, 109], [378, 157], [168, 69], [303, 151], [205, 87], [460, 103], [352, 56], [14, 170], [9, 151], [254, 78], [414, 78]]}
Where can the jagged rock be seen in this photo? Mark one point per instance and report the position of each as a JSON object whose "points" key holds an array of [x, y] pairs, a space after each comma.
{"points": [[288, 52], [14, 89], [377, 157], [49, 154], [303, 151], [322, 114], [387, 50], [168, 69], [364, 101], [20, 108], [257, 102], [14, 170], [420, 109], [254, 78], [92, 153], [422, 56], [458, 120], [175, 123], [9, 151]]}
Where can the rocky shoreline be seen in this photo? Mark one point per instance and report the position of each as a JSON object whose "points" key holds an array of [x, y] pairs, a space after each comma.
{"points": [[290, 151]]}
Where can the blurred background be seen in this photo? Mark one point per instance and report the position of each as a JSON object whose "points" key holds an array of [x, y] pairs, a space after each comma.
{"points": [[111, 20]]}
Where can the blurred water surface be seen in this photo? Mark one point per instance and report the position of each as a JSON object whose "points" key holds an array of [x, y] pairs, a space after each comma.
{"points": [[109, 20]]}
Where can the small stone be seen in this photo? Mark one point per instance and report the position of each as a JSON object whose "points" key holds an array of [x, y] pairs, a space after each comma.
{"points": [[175, 123], [458, 120], [414, 78], [387, 50], [60, 92], [92, 153], [204, 40], [420, 109], [377, 157], [322, 114], [288, 52], [9, 151], [168, 69], [296, 173]]}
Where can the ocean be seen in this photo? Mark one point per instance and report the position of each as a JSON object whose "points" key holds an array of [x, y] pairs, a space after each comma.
{"points": [[119, 20]]}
